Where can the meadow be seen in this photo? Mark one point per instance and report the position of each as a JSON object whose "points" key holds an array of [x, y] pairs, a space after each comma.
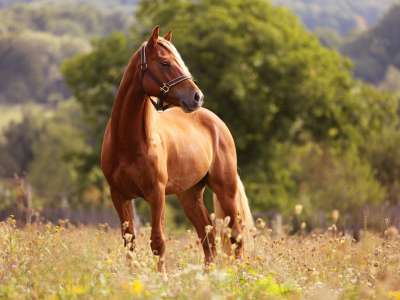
{"points": [[45, 261]]}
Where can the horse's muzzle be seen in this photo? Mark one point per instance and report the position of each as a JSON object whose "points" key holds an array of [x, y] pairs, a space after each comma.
{"points": [[189, 105]]}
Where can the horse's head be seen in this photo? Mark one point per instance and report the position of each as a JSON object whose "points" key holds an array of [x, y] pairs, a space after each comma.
{"points": [[165, 75]]}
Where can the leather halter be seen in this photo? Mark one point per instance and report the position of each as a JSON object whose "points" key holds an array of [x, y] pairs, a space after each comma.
{"points": [[165, 87]]}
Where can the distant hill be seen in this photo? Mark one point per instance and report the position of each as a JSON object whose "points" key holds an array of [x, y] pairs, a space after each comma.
{"points": [[104, 3], [342, 16], [35, 38], [376, 53]]}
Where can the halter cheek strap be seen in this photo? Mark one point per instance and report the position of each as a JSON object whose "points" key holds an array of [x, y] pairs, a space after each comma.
{"points": [[165, 87]]}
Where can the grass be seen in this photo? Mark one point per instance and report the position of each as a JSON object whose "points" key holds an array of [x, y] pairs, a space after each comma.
{"points": [[67, 262]]}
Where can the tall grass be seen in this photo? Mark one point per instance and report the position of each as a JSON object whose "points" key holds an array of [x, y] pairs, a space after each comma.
{"points": [[68, 262]]}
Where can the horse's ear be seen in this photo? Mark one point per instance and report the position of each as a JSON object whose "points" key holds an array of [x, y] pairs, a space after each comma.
{"points": [[168, 36], [154, 36]]}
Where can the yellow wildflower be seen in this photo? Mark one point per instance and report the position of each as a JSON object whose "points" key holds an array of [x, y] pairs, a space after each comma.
{"points": [[136, 287], [395, 295], [77, 290]]}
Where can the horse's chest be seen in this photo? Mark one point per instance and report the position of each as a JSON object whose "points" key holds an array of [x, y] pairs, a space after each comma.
{"points": [[137, 177]]}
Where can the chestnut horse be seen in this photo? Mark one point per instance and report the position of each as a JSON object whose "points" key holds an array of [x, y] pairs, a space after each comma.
{"points": [[149, 154]]}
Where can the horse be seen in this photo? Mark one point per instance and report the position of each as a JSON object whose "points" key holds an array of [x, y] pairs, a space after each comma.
{"points": [[150, 154]]}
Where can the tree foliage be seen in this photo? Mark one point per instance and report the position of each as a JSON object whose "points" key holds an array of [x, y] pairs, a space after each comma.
{"points": [[54, 171], [16, 148]]}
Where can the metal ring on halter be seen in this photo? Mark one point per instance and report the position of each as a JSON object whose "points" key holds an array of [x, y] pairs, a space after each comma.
{"points": [[164, 88]]}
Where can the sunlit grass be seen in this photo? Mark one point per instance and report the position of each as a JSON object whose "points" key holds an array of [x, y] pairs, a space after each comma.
{"points": [[67, 262]]}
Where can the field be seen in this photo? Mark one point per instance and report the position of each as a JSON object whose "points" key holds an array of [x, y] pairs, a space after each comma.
{"points": [[68, 262]]}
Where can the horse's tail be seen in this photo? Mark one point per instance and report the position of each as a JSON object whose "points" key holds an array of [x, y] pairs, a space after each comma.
{"points": [[242, 204]]}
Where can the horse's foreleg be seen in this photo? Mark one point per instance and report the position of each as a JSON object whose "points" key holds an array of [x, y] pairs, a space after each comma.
{"points": [[123, 207], [157, 203], [193, 205]]}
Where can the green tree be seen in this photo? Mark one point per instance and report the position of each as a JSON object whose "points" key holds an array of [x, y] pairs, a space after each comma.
{"points": [[383, 153], [54, 171], [16, 149]]}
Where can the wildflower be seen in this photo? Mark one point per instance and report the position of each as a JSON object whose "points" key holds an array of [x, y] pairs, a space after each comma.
{"points": [[239, 238], [271, 287], [391, 232], [227, 232], [219, 222], [303, 225], [227, 220], [136, 288], [333, 228], [394, 295], [212, 217], [77, 290], [260, 224], [208, 229], [298, 209], [253, 231], [335, 215]]}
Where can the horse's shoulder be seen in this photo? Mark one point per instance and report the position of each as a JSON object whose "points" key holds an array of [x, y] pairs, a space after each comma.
{"points": [[202, 116]]}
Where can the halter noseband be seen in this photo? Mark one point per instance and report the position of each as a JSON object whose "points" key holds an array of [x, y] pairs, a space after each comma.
{"points": [[165, 87]]}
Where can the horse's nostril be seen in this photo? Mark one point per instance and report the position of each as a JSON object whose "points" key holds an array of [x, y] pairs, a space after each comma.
{"points": [[197, 97]]}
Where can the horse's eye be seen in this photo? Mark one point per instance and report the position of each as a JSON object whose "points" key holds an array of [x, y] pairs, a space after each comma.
{"points": [[165, 63]]}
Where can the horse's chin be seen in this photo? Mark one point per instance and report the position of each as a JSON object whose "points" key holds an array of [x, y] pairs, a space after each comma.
{"points": [[188, 109]]}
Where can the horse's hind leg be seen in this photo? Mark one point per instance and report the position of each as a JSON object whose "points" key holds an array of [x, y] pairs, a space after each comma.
{"points": [[124, 209], [193, 205], [226, 190]]}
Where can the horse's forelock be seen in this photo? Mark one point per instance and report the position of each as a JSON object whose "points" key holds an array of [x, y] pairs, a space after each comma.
{"points": [[169, 46]]}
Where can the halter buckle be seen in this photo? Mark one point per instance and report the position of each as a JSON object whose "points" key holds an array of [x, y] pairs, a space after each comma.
{"points": [[164, 88]]}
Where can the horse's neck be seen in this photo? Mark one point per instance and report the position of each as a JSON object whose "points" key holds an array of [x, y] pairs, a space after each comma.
{"points": [[133, 114]]}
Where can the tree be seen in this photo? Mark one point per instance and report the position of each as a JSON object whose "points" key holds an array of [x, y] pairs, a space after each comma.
{"points": [[54, 171], [16, 151]]}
